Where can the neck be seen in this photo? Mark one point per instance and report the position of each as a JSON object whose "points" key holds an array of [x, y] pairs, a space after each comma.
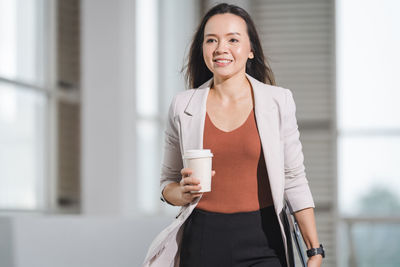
{"points": [[232, 89]]}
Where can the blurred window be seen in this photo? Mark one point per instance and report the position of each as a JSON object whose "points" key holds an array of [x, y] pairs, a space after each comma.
{"points": [[23, 104], [368, 101], [147, 103], [368, 38], [164, 30]]}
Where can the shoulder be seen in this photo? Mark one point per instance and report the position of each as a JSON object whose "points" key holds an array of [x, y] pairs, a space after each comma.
{"points": [[180, 101], [185, 95], [277, 91], [265, 91], [278, 94]]}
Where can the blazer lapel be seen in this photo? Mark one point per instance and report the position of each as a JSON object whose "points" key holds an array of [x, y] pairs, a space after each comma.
{"points": [[193, 118], [267, 119]]}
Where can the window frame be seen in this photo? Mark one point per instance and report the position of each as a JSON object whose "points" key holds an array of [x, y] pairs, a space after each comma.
{"points": [[47, 42]]}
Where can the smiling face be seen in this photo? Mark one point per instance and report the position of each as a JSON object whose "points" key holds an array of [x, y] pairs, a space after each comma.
{"points": [[226, 45]]}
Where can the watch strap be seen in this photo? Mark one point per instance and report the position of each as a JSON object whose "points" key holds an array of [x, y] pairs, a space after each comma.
{"points": [[316, 251]]}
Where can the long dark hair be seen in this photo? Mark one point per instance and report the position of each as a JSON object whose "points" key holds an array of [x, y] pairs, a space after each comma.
{"points": [[197, 72]]}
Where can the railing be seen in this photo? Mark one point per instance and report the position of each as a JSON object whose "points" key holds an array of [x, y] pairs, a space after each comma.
{"points": [[350, 222]]}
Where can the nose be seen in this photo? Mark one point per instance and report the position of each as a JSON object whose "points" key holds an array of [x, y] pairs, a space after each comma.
{"points": [[221, 48]]}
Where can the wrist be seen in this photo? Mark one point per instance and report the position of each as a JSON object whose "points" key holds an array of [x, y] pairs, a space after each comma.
{"points": [[318, 256], [314, 245], [172, 193]]}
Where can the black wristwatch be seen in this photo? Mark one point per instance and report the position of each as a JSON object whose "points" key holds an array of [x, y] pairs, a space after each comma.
{"points": [[316, 251]]}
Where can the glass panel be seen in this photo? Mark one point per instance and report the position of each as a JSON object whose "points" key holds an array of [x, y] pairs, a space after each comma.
{"points": [[148, 166], [368, 41], [371, 245], [21, 43], [22, 147], [369, 179], [147, 58]]}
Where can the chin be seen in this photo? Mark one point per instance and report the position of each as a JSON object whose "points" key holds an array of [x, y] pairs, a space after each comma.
{"points": [[224, 74]]}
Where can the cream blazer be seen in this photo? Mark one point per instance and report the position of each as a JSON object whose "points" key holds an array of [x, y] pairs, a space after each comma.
{"points": [[277, 125]]}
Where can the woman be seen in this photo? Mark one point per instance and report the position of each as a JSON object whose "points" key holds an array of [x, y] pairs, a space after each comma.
{"points": [[250, 127]]}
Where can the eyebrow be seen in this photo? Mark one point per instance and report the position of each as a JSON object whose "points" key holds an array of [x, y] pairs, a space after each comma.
{"points": [[230, 33]]}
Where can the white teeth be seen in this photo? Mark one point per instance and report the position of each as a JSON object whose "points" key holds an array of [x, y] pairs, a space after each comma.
{"points": [[223, 61]]}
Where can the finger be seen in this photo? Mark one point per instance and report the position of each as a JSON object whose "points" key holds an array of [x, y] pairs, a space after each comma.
{"points": [[186, 172], [189, 188], [213, 173], [191, 180]]}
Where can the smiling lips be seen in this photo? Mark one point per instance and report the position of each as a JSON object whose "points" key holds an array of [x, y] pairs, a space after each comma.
{"points": [[222, 62]]}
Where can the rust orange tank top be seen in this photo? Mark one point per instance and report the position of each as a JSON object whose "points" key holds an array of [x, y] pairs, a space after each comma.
{"points": [[241, 181]]}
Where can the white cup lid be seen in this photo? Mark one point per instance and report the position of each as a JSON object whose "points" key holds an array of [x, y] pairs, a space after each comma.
{"points": [[197, 153]]}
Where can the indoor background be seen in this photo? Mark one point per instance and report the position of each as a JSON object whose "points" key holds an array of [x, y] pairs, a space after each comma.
{"points": [[85, 86]]}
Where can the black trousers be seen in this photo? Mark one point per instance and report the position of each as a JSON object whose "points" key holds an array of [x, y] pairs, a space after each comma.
{"points": [[240, 239]]}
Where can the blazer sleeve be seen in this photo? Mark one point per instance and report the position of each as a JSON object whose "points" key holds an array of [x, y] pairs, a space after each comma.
{"points": [[297, 191], [172, 159]]}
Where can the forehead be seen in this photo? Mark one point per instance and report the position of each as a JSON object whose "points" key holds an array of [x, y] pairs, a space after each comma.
{"points": [[222, 24]]}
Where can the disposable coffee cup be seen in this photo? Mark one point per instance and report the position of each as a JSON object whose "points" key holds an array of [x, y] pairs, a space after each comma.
{"points": [[200, 161]]}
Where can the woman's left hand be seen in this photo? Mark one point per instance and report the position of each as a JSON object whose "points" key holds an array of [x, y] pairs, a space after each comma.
{"points": [[314, 261]]}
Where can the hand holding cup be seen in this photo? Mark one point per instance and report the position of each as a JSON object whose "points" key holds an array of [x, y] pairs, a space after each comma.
{"points": [[189, 184]]}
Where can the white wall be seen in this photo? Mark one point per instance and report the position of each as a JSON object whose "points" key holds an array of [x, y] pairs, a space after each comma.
{"points": [[108, 150], [6, 243], [65, 241]]}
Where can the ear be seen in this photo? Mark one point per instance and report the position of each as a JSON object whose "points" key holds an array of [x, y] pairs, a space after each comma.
{"points": [[251, 55]]}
